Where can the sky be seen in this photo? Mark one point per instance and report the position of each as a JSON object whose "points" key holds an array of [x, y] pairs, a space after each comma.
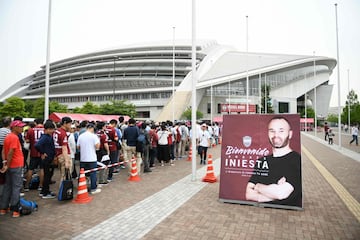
{"points": [[274, 26]]}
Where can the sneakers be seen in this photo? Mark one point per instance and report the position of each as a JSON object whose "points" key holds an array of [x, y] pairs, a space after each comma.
{"points": [[49, 196], [147, 170], [15, 214], [109, 180], [39, 188], [26, 189], [4, 211], [95, 191]]}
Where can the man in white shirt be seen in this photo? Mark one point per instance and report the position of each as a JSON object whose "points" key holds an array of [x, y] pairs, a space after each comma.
{"points": [[203, 142], [354, 133], [88, 143]]}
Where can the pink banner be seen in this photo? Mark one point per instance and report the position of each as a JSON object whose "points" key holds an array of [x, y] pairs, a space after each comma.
{"points": [[261, 160], [238, 108]]}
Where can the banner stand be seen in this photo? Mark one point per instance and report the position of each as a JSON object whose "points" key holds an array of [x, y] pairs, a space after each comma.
{"points": [[263, 205]]}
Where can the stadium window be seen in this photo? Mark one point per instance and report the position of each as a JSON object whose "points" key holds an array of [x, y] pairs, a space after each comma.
{"points": [[283, 107]]}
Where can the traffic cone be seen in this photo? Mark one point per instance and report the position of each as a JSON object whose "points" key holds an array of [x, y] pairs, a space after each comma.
{"points": [[82, 193], [210, 176], [190, 153], [134, 173]]}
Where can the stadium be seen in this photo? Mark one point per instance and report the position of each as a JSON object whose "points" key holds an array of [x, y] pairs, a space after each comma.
{"points": [[157, 79]]}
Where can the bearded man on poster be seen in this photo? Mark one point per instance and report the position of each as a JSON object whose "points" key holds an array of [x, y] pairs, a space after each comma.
{"points": [[280, 182]]}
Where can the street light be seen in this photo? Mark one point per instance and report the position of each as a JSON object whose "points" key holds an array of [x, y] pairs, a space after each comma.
{"points": [[348, 72], [173, 76], [115, 58], [338, 75], [315, 98]]}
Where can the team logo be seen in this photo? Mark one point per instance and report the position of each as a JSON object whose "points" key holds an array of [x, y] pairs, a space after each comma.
{"points": [[247, 141]]}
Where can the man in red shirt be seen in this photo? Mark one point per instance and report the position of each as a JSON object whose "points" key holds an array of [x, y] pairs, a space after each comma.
{"points": [[113, 139], [13, 163], [62, 147], [32, 137]]}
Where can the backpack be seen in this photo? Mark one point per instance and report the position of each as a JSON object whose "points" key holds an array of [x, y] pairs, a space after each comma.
{"points": [[141, 138], [27, 207], [34, 182], [178, 135]]}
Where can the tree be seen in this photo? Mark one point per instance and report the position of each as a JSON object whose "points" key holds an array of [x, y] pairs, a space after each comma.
{"points": [[13, 106], [118, 108], [39, 107], [332, 118], [88, 108], [352, 101], [187, 114], [310, 113], [266, 98]]}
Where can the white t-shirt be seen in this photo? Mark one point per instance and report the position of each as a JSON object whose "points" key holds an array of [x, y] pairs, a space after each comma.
{"points": [[204, 137], [87, 142], [163, 137], [354, 131]]}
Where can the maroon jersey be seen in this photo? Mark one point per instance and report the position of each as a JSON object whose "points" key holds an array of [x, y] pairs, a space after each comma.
{"points": [[103, 138], [113, 138], [33, 135], [60, 139]]}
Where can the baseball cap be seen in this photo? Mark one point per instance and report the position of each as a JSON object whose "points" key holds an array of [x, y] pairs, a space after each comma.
{"points": [[17, 123], [204, 125]]}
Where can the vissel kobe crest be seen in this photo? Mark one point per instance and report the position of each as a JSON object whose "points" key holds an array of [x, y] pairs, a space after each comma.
{"points": [[247, 141]]}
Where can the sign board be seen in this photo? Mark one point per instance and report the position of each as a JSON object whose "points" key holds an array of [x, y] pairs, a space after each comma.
{"points": [[261, 160], [239, 108]]}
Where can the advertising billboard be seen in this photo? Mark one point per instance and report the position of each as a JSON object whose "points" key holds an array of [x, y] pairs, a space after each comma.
{"points": [[261, 160]]}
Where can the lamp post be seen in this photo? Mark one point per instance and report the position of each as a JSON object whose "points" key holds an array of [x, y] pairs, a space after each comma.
{"points": [[315, 97], [265, 95], [229, 97], [173, 76], [211, 103], [305, 103], [193, 91], [247, 67], [47, 72], [338, 75], [113, 97], [348, 73]]}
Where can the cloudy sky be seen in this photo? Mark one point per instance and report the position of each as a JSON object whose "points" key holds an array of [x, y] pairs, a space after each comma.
{"points": [[274, 26]]}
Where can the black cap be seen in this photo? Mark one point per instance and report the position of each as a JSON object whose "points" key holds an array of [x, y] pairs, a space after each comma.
{"points": [[66, 120], [90, 125]]}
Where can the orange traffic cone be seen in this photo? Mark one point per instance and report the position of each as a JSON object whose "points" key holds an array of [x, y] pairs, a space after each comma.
{"points": [[134, 173], [190, 153], [210, 176], [82, 193]]}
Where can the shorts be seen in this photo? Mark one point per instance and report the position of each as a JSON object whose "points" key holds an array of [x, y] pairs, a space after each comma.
{"points": [[35, 162]]}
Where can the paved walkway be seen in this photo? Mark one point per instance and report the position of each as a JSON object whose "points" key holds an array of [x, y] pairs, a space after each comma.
{"points": [[166, 204]]}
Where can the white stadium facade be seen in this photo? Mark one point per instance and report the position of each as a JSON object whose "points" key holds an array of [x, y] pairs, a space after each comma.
{"points": [[147, 75]]}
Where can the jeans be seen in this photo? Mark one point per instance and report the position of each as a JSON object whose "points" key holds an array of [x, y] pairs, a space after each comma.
{"points": [[355, 138], [11, 194], [114, 157], [47, 177], [152, 155], [88, 166]]}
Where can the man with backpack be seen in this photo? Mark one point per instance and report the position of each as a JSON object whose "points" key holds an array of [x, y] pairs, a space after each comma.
{"points": [[143, 146], [130, 137]]}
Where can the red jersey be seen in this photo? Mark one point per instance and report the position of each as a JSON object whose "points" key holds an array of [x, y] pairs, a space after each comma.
{"points": [[33, 135], [103, 138], [113, 138], [60, 139], [12, 142]]}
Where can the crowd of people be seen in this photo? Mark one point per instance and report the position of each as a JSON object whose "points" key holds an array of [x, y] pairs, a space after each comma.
{"points": [[41, 147]]}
